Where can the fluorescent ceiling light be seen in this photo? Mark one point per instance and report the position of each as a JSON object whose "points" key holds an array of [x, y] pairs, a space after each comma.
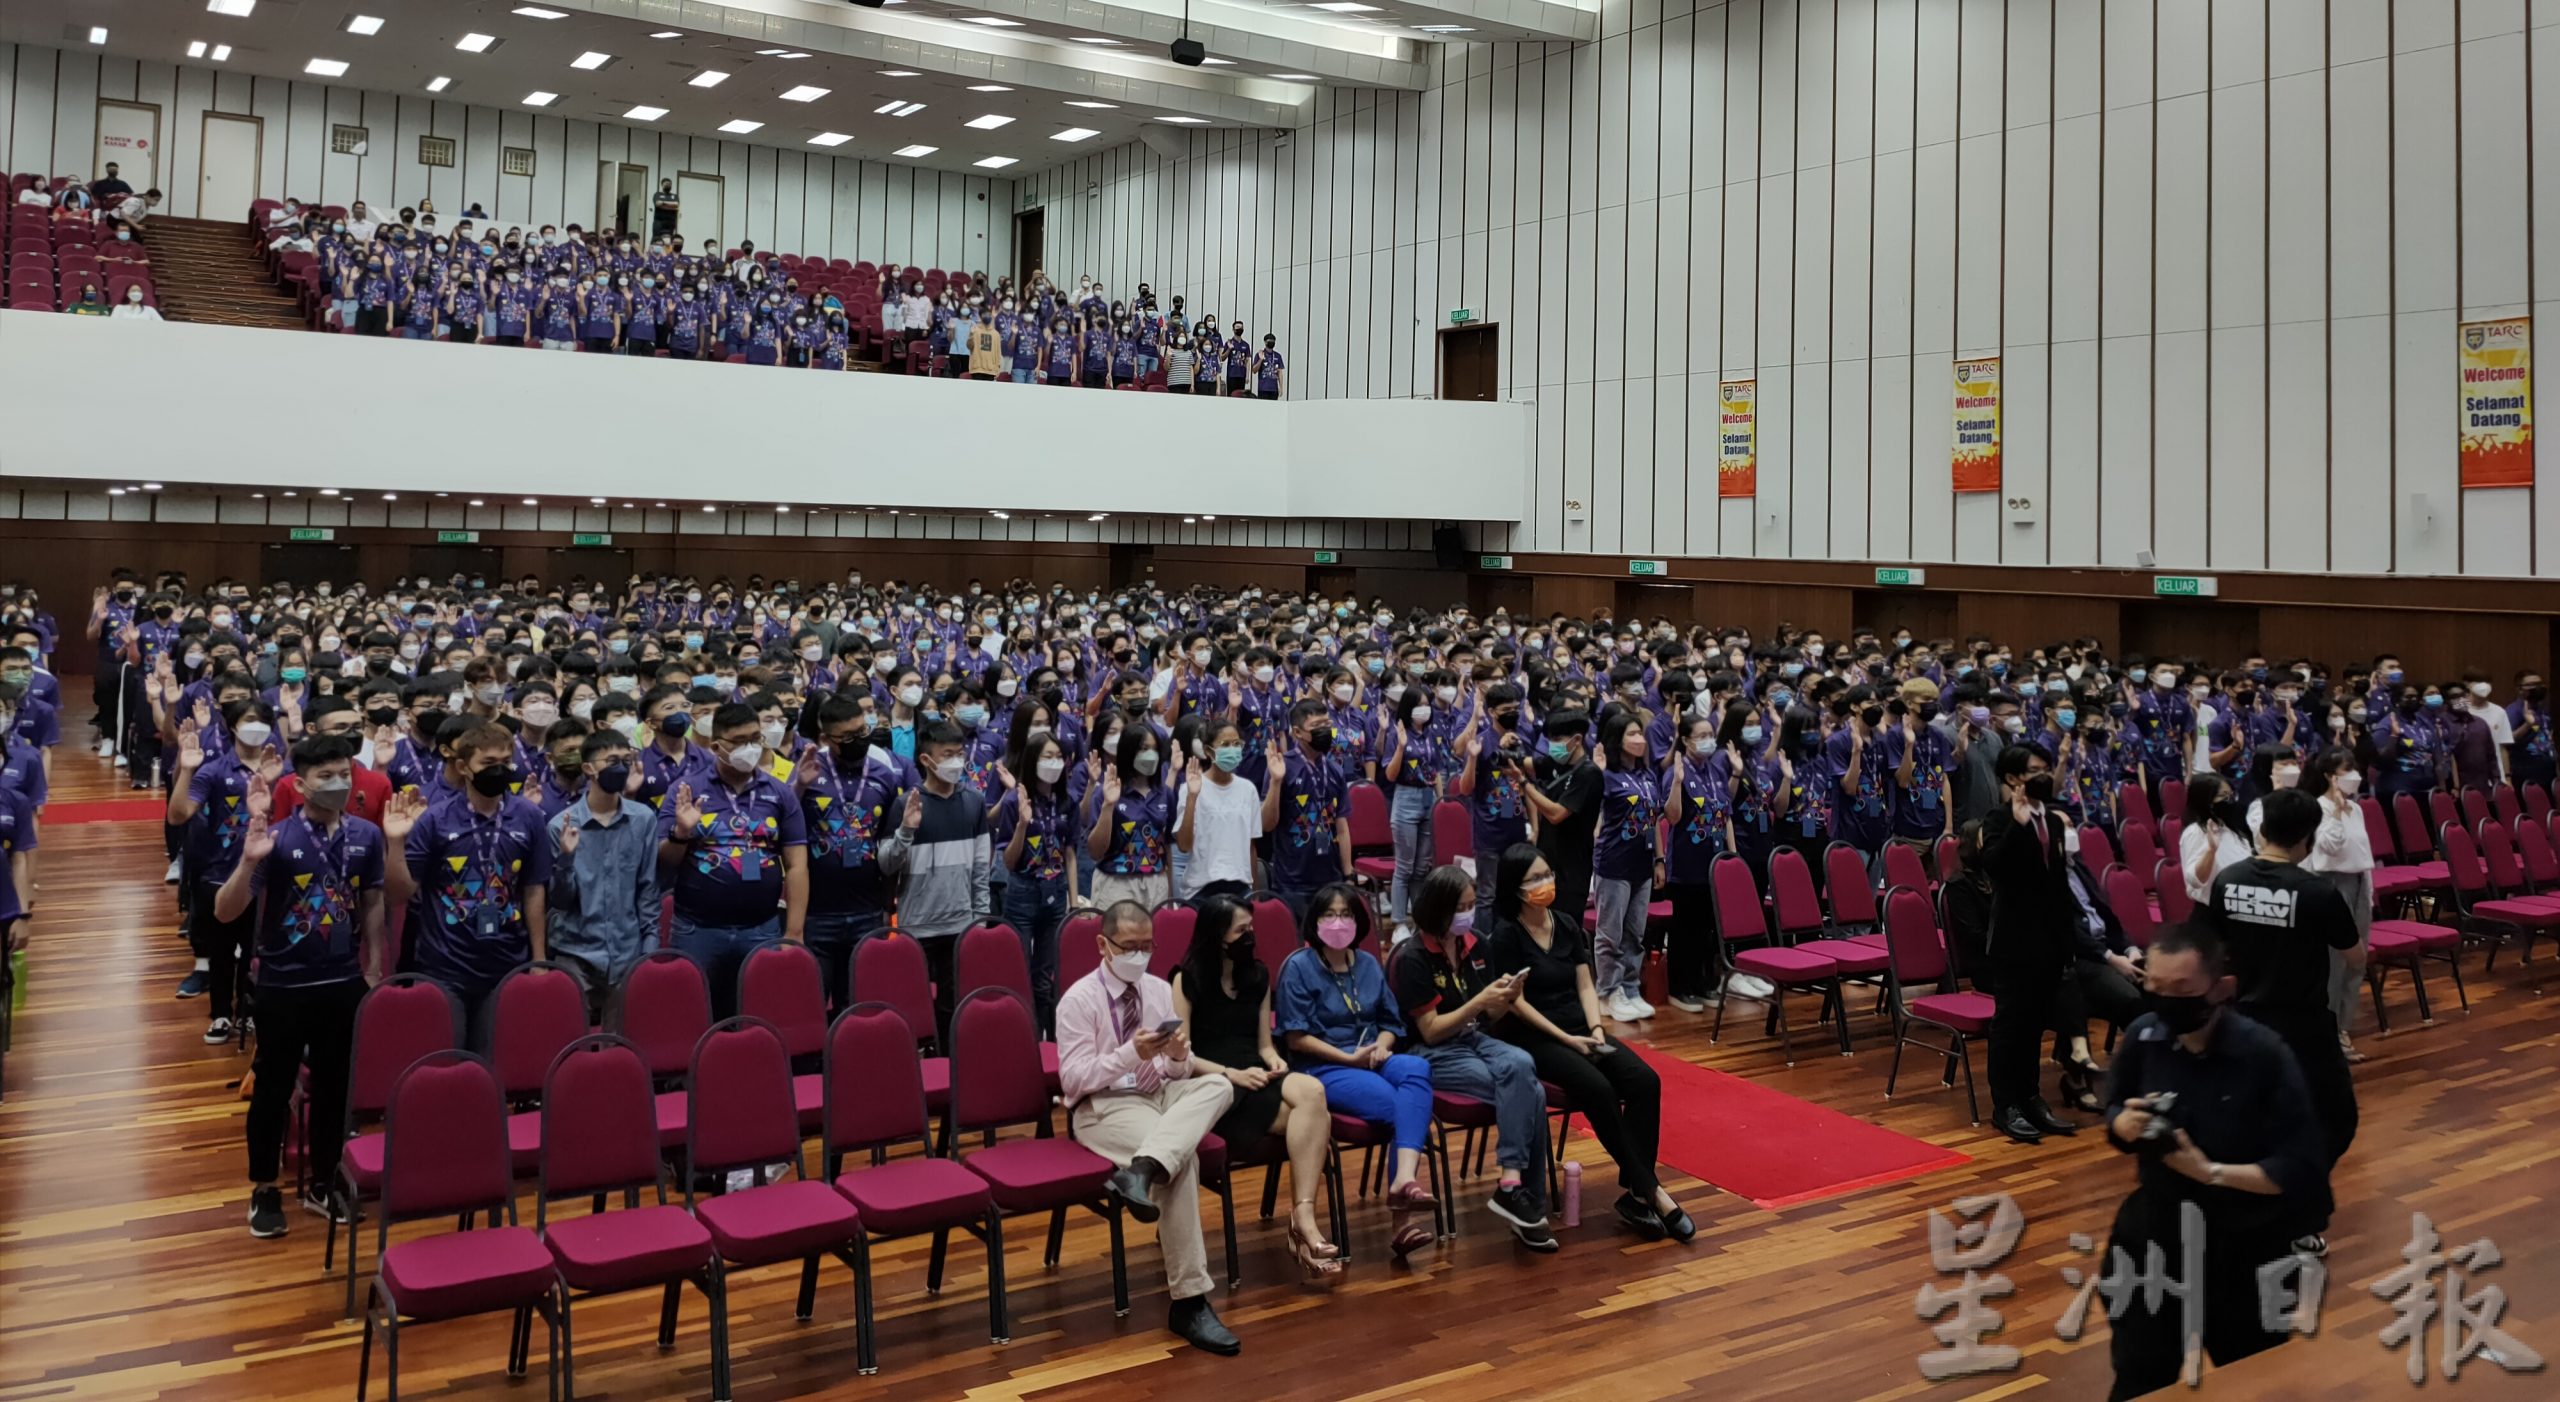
{"points": [[1219, 62], [1445, 28], [115, 491], [1297, 77], [644, 113], [892, 105], [741, 127], [326, 68], [150, 486], [540, 99], [707, 78], [996, 162], [236, 8], [221, 52], [897, 73], [668, 34], [362, 24], [97, 34], [989, 87], [805, 93], [1106, 106], [328, 491], [476, 43], [537, 12], [780, 53], [1185, 121], [1076, 134], [590, 60], [915, 153], [196, 49], [438, 84], [909, 109], [829, 138], [1339, 7], [989, 122], [991, 21], [1095, 39]]}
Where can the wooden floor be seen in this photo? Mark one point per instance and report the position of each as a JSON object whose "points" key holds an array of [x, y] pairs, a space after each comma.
{"points": [[126, 1270]]}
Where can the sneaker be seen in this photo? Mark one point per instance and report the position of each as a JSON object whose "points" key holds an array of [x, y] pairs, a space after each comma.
{"points": [[1622, 1008], [317, 1202], [1688, 1002], [1536, 1238], [106, 749], [266, 1213], [1751, 986], [1511, 1203], [2313, 1245], [195, 985], [1643, 1008], [218, 1030], [170, 878]]}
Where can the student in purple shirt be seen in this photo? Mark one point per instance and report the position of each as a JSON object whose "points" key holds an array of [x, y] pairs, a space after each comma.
{"points": [[1698, 813], [2529, 759], [850, 792], [209, 797], [17, 872], [1131, 808], [478, 861], [1923, 803], [1622, 864], [311, 888], [1269, 369], [1239, 359], [1306, 809], [1034, 833], [1862, 803], [1413, 757], [1492, 774], [736, 855]]}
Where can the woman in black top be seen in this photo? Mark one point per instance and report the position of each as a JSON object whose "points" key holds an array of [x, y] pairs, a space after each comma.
{"points": [[1222, 993], [1557, 1021]]}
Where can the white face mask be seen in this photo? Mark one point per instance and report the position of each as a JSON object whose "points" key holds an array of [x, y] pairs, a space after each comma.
{"points": [[2348, 781], [1422, 715], [1344, 691], [910, 696], [2481, 690], [1130, 965], [812, 653], [1007, 687], [1050, 769], [1262, 676], [950, 770], [255, 734], [2286, 775], [2071, 840], [1448, 695], [746, 757], [542, 717], [773, 733]]}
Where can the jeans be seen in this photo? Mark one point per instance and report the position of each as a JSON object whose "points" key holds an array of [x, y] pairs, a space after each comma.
{"points": [[1037, 909], [721, 950], [1485, 1068], [1411, 819], [832, 937], [1021, 375], [1398, 1093], [1147, 364], [1618, 941]]}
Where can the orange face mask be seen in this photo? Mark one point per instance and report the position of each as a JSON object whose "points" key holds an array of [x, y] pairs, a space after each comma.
{"points": [[1539, 895]]}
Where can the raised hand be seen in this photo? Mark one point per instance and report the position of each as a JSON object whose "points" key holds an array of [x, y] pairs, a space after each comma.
{"points": [[261, 798], [190, 745], [689, 810], [1111, 786], [1235, 695], [1004, 777], [1276, 759], [1191, 773], [569, 840], [401, 814], [910, 817], [259, 841]]}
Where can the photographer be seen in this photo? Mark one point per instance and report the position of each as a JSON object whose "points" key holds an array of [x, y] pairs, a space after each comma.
{"points": [[2215, 1107]]}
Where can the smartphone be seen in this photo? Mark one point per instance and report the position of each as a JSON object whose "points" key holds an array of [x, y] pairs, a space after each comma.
{"points": [[1168, 1027]]}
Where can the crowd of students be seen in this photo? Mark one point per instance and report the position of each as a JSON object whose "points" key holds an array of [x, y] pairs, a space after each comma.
{"points": [[616, 293], [511, 770]]}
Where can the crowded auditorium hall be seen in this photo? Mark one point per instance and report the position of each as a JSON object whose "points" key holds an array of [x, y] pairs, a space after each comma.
{"points": [[1863, 714]]}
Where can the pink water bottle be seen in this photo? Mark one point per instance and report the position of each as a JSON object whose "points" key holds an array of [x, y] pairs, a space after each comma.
{"points": [[1573, 1193]]}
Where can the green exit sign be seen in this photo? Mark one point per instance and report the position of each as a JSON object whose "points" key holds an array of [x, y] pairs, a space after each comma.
{"points": [[2184, 586], [1493, 562], [311, 533], [1328, 557], [457, 537], [592, 538], [1902, 578], [1460, 316], [1650, 567]]}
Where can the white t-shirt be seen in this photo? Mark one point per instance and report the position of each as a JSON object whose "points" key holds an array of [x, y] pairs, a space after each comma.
{"points": [[2229, 847], [1222, 832], [134, 311]]}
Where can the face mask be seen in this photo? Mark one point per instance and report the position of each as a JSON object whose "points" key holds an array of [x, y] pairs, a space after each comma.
{"points": [[1751, 734], [2286, 775], [2039, 788], [2014, 725], [626, 725], [971, 716], [541, 716], [293, 674], [773, 733], [1541, 895], [328, 794], [2480, 689], [2435, 703], [409, 652], [1050, 769], [1320, 741], [1146, 762], [2179, 1014], [1559, 750], [493, 781], [950, 770], [910, 696], [254, 734], [1337, 931], [1129, 965], [2347, 782], [490, 695], [746, 757], [2065, 719], [677, 726]]}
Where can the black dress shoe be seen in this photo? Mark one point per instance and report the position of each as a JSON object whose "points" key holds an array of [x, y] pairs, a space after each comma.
{"points": [[1200, 1327], [2014, 1122], [1133, 1185], [2042, 1117], [1677, 1225], [1639, 1214]]}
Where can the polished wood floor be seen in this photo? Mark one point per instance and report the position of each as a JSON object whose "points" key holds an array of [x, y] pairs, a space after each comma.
{"points": [[126, 1270]]}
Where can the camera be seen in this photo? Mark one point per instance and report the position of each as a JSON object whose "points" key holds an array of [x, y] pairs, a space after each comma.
{"points": [[2159, 1135]]}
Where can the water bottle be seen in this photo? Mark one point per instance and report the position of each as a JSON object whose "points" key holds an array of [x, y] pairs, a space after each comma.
{"points": [[1573, 1193]]}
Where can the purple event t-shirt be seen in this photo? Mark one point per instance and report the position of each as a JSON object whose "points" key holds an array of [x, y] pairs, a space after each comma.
{"points": [[311, 901]]}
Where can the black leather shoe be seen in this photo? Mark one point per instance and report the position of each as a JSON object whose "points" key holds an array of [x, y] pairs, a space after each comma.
{"points": [[1200, 1327], [2015, 1123], [1677, 1225], [1639, 1214], [1134, 1187], [2042, 1117]]}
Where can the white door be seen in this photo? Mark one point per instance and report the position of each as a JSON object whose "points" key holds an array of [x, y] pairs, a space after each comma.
{"points": [[230, 182], [698, 211]]}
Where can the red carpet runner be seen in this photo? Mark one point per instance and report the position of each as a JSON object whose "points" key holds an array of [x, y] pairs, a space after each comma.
{"points": [[1772, 1148], [107, 810]]}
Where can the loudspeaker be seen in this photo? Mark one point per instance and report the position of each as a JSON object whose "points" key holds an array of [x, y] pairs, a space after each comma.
{"points": [[871, 4], [1448, 548], [1188, 51]]}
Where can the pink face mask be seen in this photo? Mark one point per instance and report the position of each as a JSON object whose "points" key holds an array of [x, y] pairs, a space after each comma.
{"points": [[1337, 931]]}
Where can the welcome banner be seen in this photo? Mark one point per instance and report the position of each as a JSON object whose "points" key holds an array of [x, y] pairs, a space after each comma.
{"points": [[1738, 438], [1977, 425], [2497, 402]]}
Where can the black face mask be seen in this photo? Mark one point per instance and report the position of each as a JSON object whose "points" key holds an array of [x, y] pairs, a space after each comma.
{"points": [[614, 777], [2179, 1013], [850, 754], [2040, 788], [493, 781], [1506, 720], [1320, 741], [383, 717], [1873, 716]]}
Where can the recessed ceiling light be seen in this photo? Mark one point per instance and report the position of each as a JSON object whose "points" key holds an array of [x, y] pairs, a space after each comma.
{"points": [[989, 122], [989, 87], [710, 508], [892, 105], [221, 52], [915, 153], [780, 53], [1001, 516], [782, 511], [1097, 516], [115, 491], [537, 12], [595, 501], [805, 93], [668, 34], [991, 21], [1343, 7], [1218, 62], [1106, 106], [475, 501], [590, 60], [237, 8], [257, 496], [439, 84], [326, 68], [644, 113], [362, 24], [707, 78], [196, 49], [532, 501], [1185, 121], [910, 109], [150, 486], [1445, 28], [97, 34], [476, 43], [829, 138], [741, 127], [390, 496], [1075, 134], [328, 491], [996, 162], [897, 73], [293, 494], [1096, 39], [540, 99], [1297, 77]]}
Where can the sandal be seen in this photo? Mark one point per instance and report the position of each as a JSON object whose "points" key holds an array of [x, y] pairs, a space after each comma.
{"points": [[1321, 1260], [1403, 1203]]}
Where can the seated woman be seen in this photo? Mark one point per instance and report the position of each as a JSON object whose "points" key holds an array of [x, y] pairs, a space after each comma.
{"points": [[1557, 1021], [1340, 1025], [1449, 997], [1222, 993]]}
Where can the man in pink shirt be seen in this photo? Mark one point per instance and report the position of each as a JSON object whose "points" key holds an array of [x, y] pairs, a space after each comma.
{"points": [[1124, 1068]]}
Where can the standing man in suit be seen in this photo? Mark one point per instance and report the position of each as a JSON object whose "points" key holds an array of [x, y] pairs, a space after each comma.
{"points": [[2024, 853]]}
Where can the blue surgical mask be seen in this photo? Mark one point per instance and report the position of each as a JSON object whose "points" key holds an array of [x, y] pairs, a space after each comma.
{"points": [[2139, 675], [1377, 666], [1558, 750], [1228, 757], [693, 642], [2066, 719], [2435, 703], [971, 716], [1751, 734]]}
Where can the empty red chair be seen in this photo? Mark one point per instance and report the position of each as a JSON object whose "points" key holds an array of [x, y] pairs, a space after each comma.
{"points": [[2508, 807], [1372, 835], [600, 1137], [402, 1020], [1902, 867], [1853, 899], [2475, 810], [1275, 933], [2505, 904], [1919, 962], [995, 1084], [445, 1155], [1079, 947], [990, 956], [891, 969], [875, 1102], [1452, 833], [2409, 834], [1740, 923], [1174, 924], [2176, 907], [2541, 861], [1800, 924], [740, 1116], [538, 1010], [2537, 803], [2134, 806], [1949, 855], [2097, 850], [2141, 853], [2377, 828], [781, 984], [2132, 906], [2442, 808], [2173, 833], [2173, 801], [663, 1008]]}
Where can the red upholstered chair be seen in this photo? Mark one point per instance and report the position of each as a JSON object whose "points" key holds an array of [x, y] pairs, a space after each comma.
{"points": [[991, 956], [1920, 963], [1903, 867], [1851, 892], [2507, 907], [404, 1019], [2508, 808], [663, 1008], [1275, 932], [995, 1084], [891, 969], [2409, 832], [2475, 810], [1174, 923], [445, 1155], [1078, 952], [2377, 828], [2394, 944], [539, 1009], [2176, 906], [2097, 849], [2141, 852], [875, 1101], [2442, 808], [741, 1116], [780, 984], [2132, 907], [2541, 860], [1798, 910], [2134, 806], [2537, 803], [1453, 833], [1372, 835], [2173, 802], [1949, 854], [600, 1137], [1743, 934]]}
